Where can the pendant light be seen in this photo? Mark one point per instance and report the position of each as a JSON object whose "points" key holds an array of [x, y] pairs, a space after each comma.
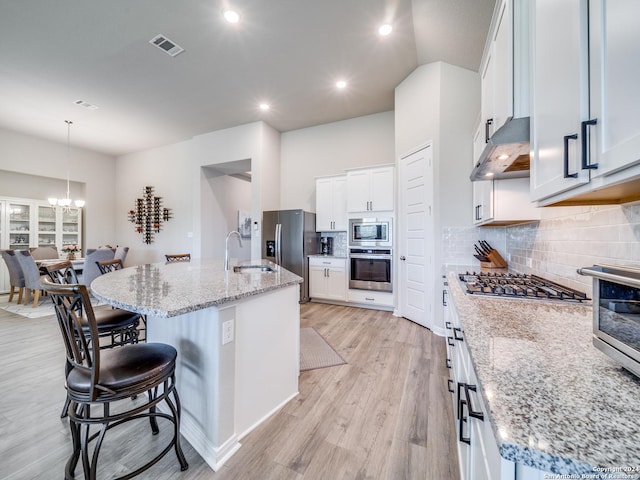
{"points": [[66, 202]]}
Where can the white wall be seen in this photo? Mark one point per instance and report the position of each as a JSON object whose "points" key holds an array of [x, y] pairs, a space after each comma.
{"points": [[92, 177], [176, 173], [327, 150]]}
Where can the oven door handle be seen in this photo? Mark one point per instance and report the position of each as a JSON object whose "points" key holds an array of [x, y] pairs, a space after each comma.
{"points": [[594, 272], [371, 257]]}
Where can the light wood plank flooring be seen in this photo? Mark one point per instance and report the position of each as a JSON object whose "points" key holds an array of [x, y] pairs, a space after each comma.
{"points": [[386, 414]]}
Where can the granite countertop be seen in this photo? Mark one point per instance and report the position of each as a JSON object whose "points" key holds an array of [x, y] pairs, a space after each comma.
{"points": [[171, 289], [555, 402]]}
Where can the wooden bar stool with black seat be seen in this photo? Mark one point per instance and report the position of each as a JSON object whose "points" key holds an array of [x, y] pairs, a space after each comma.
{"points": [[178, 257], [98, 378]]}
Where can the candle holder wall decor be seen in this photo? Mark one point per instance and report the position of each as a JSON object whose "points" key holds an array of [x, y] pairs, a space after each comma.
{"points": [[148, 215]]}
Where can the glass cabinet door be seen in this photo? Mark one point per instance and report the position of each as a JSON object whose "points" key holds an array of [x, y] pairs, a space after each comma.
{"points": [[71, 226], [19, 226], [46, 225]]}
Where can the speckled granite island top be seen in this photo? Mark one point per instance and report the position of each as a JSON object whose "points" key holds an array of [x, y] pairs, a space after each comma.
{"points": [[171, 289], [556, 402]]}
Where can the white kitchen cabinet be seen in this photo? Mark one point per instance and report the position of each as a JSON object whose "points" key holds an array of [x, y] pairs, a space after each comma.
{"points": [[328, 278], [383, 300], [503, 202], [331, 203], [504, 68], [370, 189], [478, 454], [586, 131]]}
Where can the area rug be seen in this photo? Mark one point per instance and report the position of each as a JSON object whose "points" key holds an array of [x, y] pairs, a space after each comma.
{"points": [[44, 308], [315, 352]]}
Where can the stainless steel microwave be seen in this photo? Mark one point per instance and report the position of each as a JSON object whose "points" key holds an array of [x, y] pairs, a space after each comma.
{"points": [[616, 313], [370, 232]]}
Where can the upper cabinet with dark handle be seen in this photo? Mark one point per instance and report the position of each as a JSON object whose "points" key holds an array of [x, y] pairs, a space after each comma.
{"points": [[585, 89]]}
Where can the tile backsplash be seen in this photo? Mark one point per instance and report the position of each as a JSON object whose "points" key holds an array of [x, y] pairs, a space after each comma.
{"points": [[565, 239]]}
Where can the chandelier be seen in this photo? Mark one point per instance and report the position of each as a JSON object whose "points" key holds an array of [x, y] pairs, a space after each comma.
{"points": [[66, 202]]}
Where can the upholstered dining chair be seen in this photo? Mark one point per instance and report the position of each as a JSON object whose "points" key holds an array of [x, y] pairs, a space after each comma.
{"points": [[90, 270], [16, 277], [100, 378], [121, 253], [178, 257], [45, 253], [31, 276]]}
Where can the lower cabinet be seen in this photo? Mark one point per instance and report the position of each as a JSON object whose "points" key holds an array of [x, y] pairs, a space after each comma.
{"points": [[371, 297], [328, 278], [478, 454]]}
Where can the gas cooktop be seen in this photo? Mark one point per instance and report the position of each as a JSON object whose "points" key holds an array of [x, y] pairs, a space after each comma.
{"points": [[518, 285]]}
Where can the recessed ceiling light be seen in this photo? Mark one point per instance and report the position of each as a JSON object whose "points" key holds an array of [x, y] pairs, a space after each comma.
{"points": [[385, 29], [504, 156], [231, 16], [341, 84], [264, 106], [488, 174]]}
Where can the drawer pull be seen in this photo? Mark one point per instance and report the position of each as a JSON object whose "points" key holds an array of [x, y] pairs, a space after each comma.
{"points": [[450, 342], [449, 386]]}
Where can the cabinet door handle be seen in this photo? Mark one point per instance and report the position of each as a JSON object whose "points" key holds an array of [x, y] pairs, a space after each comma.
{"points": [[456, 337], [449, 387], [447, 363], [450, 342], [328, 272], [565, 154], [487, 127], [462, 419], [472, 413], [585, 144], [478, 213], [448, 326], [444, 298]]}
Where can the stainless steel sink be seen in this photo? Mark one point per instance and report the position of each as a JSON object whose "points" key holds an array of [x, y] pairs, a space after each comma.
{"points": [[252, 269]]}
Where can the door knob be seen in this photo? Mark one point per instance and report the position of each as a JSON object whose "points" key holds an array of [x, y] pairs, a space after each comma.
{"points": [[403, 257]]}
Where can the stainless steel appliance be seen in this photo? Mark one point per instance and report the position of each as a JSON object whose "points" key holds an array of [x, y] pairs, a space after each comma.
{"points": [[326, 245], [288, 236], [370, 232], [616, 313], [518, 285], [371, 269]]}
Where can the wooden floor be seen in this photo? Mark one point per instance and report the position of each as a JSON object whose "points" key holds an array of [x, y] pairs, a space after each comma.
{"points": [[386, 414]]}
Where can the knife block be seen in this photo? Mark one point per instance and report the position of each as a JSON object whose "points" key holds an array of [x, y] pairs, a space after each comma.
{"points": [[496, 260]]}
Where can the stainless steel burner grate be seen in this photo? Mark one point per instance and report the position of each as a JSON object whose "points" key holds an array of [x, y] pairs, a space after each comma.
{"points": [[518, 285]]}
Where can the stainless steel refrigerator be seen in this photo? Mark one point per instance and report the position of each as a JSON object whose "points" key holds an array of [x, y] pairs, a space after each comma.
{"points": [[288, 237]]}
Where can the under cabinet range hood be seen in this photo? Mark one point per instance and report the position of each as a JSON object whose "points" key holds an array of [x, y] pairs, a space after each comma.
{"points": [[506, 154]]}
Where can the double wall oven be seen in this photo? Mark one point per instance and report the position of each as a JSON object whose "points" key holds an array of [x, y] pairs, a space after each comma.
{"points": [[370, 254]]}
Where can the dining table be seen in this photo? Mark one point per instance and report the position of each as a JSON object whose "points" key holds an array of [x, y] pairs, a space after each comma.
{"points": [[77, 263]]}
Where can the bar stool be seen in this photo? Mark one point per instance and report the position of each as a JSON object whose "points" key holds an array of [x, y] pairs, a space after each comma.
{"points": [[96, 379]]}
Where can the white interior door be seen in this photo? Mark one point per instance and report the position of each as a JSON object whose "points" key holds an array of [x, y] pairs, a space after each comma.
{"points": [[416, 193]]}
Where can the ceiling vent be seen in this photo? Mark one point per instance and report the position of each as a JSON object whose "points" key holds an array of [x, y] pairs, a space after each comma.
{"points": [[87, 105], [166, 45]]}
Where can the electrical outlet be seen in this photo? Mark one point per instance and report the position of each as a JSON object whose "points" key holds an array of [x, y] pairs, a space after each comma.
{"points": [[227, 332], [529, 262]]}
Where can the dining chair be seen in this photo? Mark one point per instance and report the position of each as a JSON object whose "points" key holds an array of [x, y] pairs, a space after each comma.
{"points": [[121, 253], [44, 253], [178, 257], [16, 277], [106, 266], [100, 378], [90, 270], [31, 276]]}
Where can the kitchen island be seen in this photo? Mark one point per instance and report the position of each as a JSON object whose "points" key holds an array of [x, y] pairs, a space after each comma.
{"points": [[555, 403], [237, 337]]}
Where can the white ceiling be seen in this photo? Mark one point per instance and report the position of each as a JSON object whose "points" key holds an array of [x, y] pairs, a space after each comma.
{"points": [[288, 53]]}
